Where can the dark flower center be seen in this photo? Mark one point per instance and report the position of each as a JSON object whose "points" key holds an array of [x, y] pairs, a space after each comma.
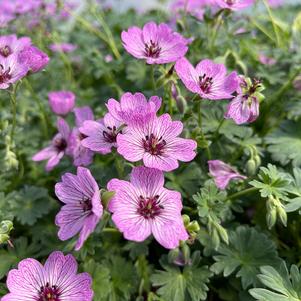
{"points": [[230, 2], [5, 51], [149, 207], [111, 134], [86, 204], [60, 143], [4, 74], [49, 293], [152, 50], [81, 136], [153, 145], [205, 83]]}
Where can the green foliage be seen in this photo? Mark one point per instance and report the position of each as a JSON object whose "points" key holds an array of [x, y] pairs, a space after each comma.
{"points": [[280, 284], [189, 284], [213, 208], [247, 251]]}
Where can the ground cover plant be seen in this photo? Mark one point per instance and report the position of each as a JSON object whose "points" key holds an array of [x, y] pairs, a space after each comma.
{"points": [[150, 155]]}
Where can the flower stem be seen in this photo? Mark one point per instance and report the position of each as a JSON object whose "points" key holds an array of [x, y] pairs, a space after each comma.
{"points": [[13, 102], [154, 86], [243, 192]]}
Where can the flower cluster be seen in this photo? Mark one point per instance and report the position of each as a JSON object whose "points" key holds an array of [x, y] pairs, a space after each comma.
{"points": [[18, 57]]}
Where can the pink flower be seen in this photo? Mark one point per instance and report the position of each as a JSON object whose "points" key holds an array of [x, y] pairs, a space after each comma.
{"points": [[133, 107], [57, 280], [275, 3], [11, 71], [157, 44], [234, 4], [108, 58], [61, 102], [156, 142], [265, 60], [100, 136], [223, 173], [55, 152], [34, 59], [11, 44], [243, 109], [81, 155], [62, 47], [207, 79], [82, 210], [143, 207], [5, 18]]}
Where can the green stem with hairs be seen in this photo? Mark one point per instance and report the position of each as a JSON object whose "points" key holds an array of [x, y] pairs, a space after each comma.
{"points": [[243, 192]]}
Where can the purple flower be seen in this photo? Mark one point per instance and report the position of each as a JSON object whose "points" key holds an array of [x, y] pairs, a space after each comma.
{"points": [[11, 44], [234, 4], [62, 47], [34, 59], [24, 7], [57, 280], [11, 71], [223, 173], [55, 152], [100, 136], [108, 58], [265, 60], [143, 207], [133, 107], [208, 79], [81, 155], [157, 44], [61, 102], [156, 142], [82, 210], [5, 18], [243, 109], [275, 3]]}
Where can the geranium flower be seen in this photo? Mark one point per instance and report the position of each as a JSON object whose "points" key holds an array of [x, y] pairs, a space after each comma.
{"points": [[11, 71], [80, 154], [208, 79], [33, 58], [234, 4], [61, 102], [157, 44], [100, 135], [62, 47], [11, 44], [265, 60], [156, 142], [143, 207], [223, 173], [82, 210], [134, 107], [55, 152], [57, 280]]}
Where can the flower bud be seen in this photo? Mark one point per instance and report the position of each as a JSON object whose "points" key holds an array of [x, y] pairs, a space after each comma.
{"points": [[186, 220], [5, 228], [251, 167], [61, 102]]}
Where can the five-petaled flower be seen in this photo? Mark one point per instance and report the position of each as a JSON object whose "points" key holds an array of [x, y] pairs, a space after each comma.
{"points": [[55, 152], [156, 142], [208, 79], [143, 207], [157, 44], [57, 280], [234, 4], [82, 210]]}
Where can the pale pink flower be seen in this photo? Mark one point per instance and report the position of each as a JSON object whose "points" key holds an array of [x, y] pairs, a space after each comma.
{"points": [[134, 107], [101, 135], [208, 79], [157, 44], [62, 47], [80, 154], [156, 142], [11, 70], [234, 4], [143, 207], [223, 173], [11, 45], [55, 152], [276, 3], [61, 102], [265, 60], [57, 280], [82, 210]]}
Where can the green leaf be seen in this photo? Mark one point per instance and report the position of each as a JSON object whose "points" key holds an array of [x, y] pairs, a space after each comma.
{"points": [[176, 285], [29, 204], [285, 143], [248, 249], [280, 284]]}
